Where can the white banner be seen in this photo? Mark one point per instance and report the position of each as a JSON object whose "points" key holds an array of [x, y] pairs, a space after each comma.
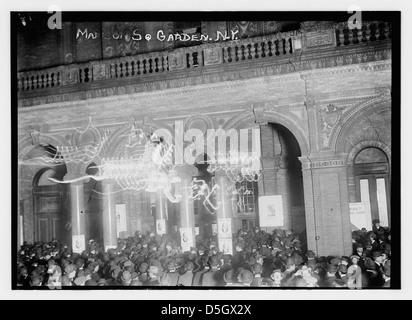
{"points": [[78, 243], [271, 211], [186, 237], [196, 231], [224, 228], [226, 245], [360, 215], [160, 226]]}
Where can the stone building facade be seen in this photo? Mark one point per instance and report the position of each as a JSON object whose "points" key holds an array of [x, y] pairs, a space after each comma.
{"points": [[318, 93]]}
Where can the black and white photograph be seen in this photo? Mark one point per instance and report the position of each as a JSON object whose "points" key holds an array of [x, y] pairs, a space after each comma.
{"points": [[225, 151]]}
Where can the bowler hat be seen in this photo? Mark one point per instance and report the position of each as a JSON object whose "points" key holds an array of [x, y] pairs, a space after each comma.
{"points": [[246, 276], [310, 254], [370, 264], [335, 261], [376, 254], [354, 256]]}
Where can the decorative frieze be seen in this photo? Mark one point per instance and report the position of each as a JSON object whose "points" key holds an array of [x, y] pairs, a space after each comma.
{"points": [[320, 164]]}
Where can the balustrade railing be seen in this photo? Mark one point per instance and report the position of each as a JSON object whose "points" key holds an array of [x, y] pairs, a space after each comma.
{"points": [[137, 65], [42, 79], [370, 31], [277, 45], [235, 51]]}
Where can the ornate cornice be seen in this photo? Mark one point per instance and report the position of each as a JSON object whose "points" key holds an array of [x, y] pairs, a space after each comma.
{"points": [[378, 59]]}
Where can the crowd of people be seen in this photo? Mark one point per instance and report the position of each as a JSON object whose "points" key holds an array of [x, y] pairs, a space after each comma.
{"points": [[260, 259]]}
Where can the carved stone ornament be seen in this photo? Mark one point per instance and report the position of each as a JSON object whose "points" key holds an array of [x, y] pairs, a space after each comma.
{"points": [[259, 114], [35, 137], [330, 116]]}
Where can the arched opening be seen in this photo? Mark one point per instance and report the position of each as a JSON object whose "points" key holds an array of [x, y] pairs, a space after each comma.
{"points": [[49, 198], [282, 179], [372, 184]]}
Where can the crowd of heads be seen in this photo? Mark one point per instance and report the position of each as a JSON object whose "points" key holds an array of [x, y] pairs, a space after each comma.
{"points": [[279, 258]]}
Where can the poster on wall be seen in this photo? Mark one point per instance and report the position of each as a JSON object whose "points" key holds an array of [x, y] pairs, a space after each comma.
{"points": [[226, 245], [186, 239], [271, 211], [214, 229], [160, 226], [121, 218], [79, 243], [360, 215], [224, 228]]}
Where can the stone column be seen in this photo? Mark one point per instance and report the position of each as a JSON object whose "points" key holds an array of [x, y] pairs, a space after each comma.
{"points": [[326, 195], [224, 213], [109, 217], [187, 216], [78, 222]]}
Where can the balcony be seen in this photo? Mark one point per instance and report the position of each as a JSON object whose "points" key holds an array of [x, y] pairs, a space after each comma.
{"points": [[276, 48]]}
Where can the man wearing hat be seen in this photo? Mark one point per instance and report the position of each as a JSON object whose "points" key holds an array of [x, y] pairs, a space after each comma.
{"points": [[373, 277], [186, 278], [377, 228], [239, 258], [204, 267], [245, 278], [214, 277], [229, 279], [126, 278], [341, 277], [171, 277], [226, 263], [328, 276], [35, 281], [289, 273], [70, 270], [257, 269], [153, 273]]}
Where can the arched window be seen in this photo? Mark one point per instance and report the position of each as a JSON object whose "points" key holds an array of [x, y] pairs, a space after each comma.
{"points": [[372, 182]]}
